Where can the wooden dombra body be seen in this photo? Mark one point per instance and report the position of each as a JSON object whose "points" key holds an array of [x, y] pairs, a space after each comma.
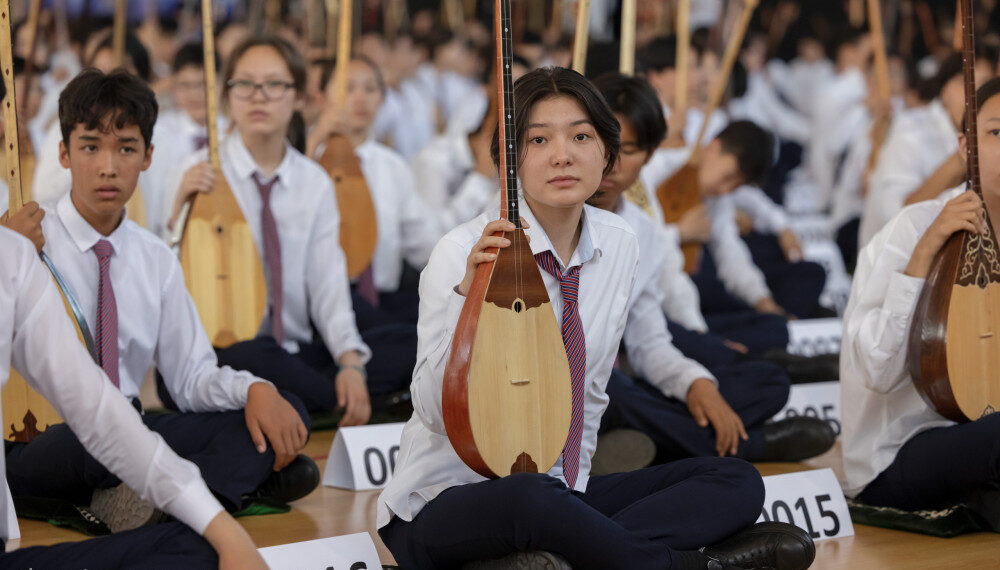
{"points": [[507, 396]]}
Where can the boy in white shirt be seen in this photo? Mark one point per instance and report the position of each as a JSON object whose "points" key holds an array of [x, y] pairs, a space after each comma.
{"points": [[39, 341], [674, 400], [130, 286], [898, 450]]}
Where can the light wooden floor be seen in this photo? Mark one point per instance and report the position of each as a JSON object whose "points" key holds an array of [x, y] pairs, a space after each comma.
{"points": [[331, 512]]}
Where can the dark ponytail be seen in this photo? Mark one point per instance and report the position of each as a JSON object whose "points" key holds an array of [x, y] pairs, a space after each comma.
{"points": [[297, 132]]}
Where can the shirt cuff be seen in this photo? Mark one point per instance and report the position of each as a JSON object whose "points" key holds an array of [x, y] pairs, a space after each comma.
{"points": [[902, 293], [684, 383], [195, 506]]}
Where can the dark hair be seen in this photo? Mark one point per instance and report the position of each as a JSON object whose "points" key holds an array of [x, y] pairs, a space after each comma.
{"points": [[191, 54], [296, 67], [547, 82], [659, 54], [134, 51], [636, 100], [330, 65], [951, 67], [97, 100], [752, 146]]}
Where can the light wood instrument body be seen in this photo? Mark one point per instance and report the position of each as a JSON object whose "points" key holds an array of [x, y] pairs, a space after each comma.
{"points": [[954, 341], [507, 396], [880, 128], [358, 224], [222, 266], [677, 196], [582, 37]]}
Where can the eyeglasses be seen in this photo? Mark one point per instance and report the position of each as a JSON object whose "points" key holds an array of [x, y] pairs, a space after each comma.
{"points": [[272, 90]]}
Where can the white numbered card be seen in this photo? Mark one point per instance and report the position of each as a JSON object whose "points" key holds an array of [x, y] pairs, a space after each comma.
{"points": [[349, 552], [363, 457], [815, 400], [812, 337], [811, 500]]}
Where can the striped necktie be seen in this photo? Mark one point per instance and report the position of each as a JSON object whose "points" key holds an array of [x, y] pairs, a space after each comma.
{"points": [[107, 312], [576, 353], [272, 255]]}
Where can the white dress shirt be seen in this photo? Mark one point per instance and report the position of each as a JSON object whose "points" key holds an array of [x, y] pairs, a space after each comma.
{"points": [[313, 269], [799, 81], [38, 339], [607, 254], [882, 409], [647, 341], [919, 141], [406, 118], [762, 105], [847, 201], [407, 229], [158, 323], [734, 264], [446, 178], [840, 116]]}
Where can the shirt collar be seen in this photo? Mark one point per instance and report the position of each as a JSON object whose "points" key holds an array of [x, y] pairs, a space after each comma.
{"points": [[84, 235], [586, 249], [241, 160]]}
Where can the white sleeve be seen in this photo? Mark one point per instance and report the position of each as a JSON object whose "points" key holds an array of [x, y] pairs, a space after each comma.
{"points": [[680, 299], [421, 230], [185, 356], [650, 350], [733, 262], [326, 281], [768, 217], [878, 316], [440, 306], [897, 174], [48, 354]]}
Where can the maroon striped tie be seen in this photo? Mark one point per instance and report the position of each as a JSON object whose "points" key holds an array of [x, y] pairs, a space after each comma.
{"points": [[576, 352], [107, 313], [272, 255]]}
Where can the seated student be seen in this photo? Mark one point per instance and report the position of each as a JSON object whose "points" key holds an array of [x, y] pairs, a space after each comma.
{"points": [[406, 228], [438, 513], [920, 158], [179, 131], [898, 451], [734, 292], [308, 343], [674, 400], [40, 342], [130, 286]]}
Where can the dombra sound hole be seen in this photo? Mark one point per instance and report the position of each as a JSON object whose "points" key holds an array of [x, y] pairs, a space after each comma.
{"points": [[518, 306]]}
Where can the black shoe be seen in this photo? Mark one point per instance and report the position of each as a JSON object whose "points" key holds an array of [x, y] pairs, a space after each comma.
{"points": [[397, 404], [535, 560], [806, 369], [768, 545], [295, 481], [621, 451], [795, 439]]}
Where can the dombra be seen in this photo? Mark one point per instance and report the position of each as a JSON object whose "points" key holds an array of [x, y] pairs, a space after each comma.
{"points": [[507, 395]]}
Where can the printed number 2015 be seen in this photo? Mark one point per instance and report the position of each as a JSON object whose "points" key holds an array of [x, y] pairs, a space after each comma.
{"points": [[780, 506]]}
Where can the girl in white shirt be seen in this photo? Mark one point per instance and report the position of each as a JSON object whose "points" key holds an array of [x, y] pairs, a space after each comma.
{"points": [[899, 451], [407, 229], [438, 513], [264, 89]]}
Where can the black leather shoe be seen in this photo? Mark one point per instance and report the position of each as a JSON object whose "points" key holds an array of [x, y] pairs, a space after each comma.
{"points": [[806, 369], [795, 439], [295, 481], [768, 545]]}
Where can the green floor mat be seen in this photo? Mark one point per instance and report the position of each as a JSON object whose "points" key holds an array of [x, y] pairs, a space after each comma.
{"points": [[262, 506], [945, 523]]}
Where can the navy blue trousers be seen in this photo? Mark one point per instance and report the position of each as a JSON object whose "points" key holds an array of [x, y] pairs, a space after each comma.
{"points": [[167, 546], [755, 390], [940, 467], [796, 287], [56, 465], [310, 373], [757, 331], [632, 521]]}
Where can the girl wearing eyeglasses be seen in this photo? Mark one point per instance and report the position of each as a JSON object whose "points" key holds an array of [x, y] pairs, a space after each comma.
{"points": [[311, 345]]}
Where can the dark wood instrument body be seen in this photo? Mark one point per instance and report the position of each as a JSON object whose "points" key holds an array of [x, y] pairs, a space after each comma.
{"points": [[678, 195], [928, 338], [358, 227]]}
